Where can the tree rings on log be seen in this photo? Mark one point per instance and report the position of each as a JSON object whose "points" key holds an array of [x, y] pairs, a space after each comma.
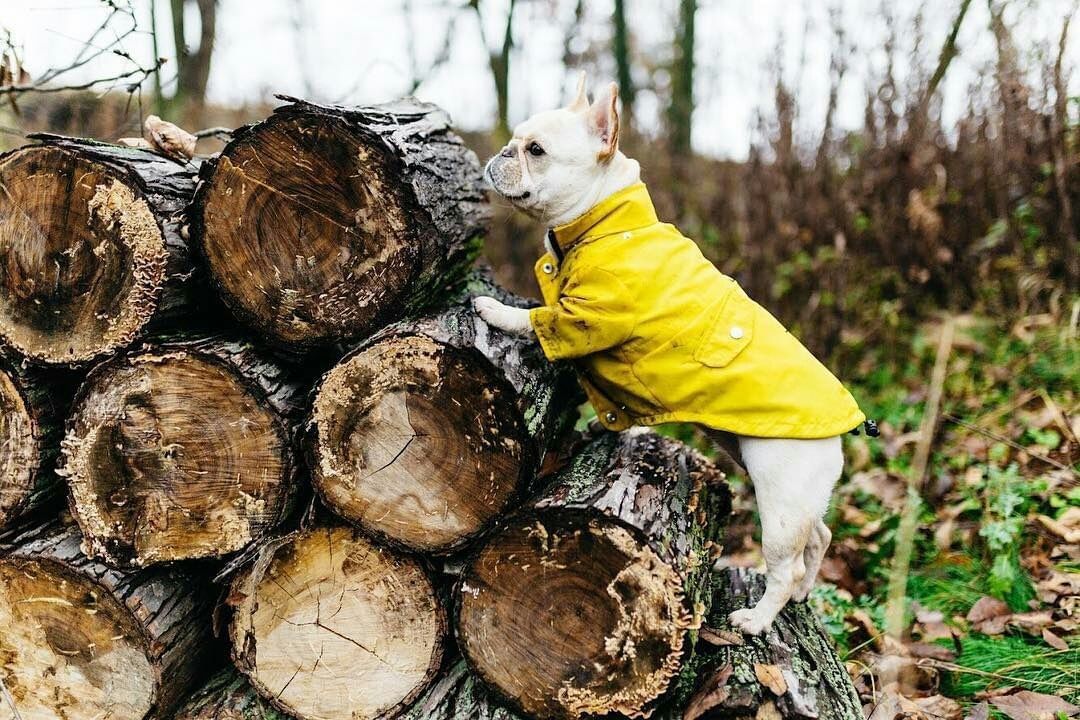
{"points": [[175, 453], [428, 431], [328, 626], [322, 223], [418, 442], [81, 641], [90, 249], [581, 606]]}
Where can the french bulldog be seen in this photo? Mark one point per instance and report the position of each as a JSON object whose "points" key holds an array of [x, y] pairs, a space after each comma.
{"points": [[561, 166]]}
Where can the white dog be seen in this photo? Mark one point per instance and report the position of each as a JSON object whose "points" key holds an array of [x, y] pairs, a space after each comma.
{"points": [[564, 168]]}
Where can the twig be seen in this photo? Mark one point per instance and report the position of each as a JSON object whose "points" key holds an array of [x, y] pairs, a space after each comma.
{"points": [[1011, 443], [10, 701], [905, 535]]}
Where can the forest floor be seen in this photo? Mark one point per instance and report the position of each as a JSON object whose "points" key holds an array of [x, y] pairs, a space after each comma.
{"points": [[992, 614]]}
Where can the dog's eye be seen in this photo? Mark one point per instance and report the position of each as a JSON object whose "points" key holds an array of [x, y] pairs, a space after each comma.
{"points": [[535, 149]]}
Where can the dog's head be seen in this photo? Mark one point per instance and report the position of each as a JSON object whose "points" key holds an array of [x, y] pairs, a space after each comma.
{"points": [[561, 162]]}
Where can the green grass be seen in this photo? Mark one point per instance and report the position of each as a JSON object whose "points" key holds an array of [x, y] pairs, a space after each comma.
{"points": [[989, 662]]}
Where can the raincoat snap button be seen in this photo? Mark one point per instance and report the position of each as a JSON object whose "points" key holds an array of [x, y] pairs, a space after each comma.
{"points": [[737, 332], [548, 268], [626, 236], [610, 417]]}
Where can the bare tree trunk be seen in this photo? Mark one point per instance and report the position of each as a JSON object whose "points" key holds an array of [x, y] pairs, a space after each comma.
{"points": [[620, 48], [193, 66], [681, 109], [499, 61]]}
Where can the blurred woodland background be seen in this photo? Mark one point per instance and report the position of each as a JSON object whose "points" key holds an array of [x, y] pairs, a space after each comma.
{"points": [[939, 228]]}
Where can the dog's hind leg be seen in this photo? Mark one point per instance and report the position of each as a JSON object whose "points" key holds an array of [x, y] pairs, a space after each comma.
{"points": [[793, 481], [820, 537]]}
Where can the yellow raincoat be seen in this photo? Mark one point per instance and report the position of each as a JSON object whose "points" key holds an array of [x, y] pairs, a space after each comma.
{"points": [[658, 334]]}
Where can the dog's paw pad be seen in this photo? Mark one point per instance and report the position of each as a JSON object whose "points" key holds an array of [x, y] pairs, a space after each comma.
{"points": [[748, 622]]}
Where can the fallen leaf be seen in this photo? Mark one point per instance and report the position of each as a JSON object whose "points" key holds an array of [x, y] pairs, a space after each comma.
{"points": [[939, 706], [1032, 622], [931, 650], [771, 677], [1053, 640], [1027, 705], [768, 711], [1067, 527], [712, 693], [988, 615], [720, 638], [981, 711], [135, 143]]}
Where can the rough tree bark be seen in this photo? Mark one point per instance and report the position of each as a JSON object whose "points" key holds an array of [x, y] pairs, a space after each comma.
{"points": [[582, 605], [181, 450], [791, 672], [84, 641], [322, 223], [426, 433], [91, 253], [326, 625], [33, 405], [228, 696], [793, 667]]}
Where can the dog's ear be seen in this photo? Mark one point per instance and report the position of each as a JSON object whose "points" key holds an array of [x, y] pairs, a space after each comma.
{"points": [[581, 97], [604, 121]]}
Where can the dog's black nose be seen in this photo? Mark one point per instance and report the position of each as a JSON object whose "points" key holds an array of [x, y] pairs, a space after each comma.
{"points": [[507, 152]]}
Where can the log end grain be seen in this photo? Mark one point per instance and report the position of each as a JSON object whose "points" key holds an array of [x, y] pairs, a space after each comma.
{"points": [[20, 452], [322, 223], [418, 442], [82, 257], [572, 616], [327, 626], [171, 455]]}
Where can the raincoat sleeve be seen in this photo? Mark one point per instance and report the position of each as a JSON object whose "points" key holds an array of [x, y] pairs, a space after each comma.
{"points": [[594, 312]]}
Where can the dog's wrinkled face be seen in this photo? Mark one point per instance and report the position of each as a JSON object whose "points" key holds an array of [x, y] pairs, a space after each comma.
{"points": [[559, 157]]}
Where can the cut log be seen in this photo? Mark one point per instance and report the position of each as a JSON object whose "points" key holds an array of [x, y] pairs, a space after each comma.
{"points": [[228, 696], [427, 432], [91, 253], [791, 672], [32, 409], [182, 450], [582, 604], [322, 223], [83, 641], [326, 625], [794, 667]]}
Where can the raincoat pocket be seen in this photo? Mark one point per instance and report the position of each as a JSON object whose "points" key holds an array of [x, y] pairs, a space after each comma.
{"points": [[728, 333]]}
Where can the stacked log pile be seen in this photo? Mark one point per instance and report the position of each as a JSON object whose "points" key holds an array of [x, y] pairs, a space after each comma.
{"points": [[305, 480]]}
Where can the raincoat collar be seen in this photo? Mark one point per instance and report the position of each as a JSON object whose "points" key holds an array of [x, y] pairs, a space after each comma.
{"points": [[629, 209]]}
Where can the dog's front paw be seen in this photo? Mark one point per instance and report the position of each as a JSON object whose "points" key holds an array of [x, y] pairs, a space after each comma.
{"points": [[748, 621], [504, 317]]}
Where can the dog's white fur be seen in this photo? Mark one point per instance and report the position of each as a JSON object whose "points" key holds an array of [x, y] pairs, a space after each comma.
{"points": [[578, 165]]}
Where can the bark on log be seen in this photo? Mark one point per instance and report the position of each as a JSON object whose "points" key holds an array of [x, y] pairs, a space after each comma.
{"points": [[33, 405], [327, 626], [583, 604], [322, 223], [83, 641], [427, 432], [794, 667], [91, 253], [722, 678], [228, 696], [181, 450]]}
